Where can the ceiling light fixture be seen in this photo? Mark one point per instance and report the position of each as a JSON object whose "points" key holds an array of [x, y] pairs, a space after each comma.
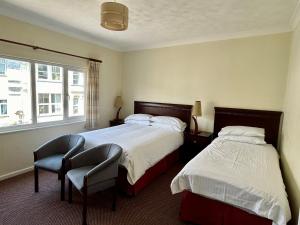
{"points": [[114, 16]]}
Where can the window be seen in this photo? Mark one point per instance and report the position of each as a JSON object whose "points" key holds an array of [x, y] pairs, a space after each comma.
{"points": [[75, 104], [2, 67], [3, 107], [56, 72], [50, 83], [49, 94], [15, 93], [42, 71], [56, 103], [49, 108], [76, 93], [75, 78], [43, 103]]}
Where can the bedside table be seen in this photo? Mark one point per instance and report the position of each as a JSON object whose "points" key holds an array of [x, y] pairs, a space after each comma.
{"points": [[113, 123], [194, 143]]}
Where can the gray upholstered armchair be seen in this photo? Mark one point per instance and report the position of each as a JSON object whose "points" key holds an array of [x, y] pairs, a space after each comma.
{"points": [[94, 170], [54, 157]]}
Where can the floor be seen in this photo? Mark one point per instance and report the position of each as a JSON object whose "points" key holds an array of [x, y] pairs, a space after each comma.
{"points": [[19, 205]]}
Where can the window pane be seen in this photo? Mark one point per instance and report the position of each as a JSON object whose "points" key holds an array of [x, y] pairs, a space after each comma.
{"points": [[42, 71], [55, 98], [3, 107], [15, 93], [56, 109], [2, 67], [49, 95], [76, 93], [56, 72], [43, 98], [43, 109]]}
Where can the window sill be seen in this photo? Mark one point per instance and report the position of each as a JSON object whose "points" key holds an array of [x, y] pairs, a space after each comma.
{"points": [[22, 128]]}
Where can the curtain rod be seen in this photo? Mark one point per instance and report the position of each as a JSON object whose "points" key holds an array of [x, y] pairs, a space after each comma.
{"points": [[49, 50]]}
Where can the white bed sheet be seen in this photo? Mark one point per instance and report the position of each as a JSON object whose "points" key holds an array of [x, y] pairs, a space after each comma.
{"points": [[143, 146], [244, 175]]}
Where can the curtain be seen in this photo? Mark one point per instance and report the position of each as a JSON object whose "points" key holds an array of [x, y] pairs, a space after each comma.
{"points": [[92, 95]]}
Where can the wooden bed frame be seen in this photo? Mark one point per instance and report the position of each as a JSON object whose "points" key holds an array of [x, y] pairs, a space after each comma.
{"points": [[200, 210], [269, 120], [182, 112]]}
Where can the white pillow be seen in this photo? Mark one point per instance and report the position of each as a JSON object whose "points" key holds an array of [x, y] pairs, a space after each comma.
{"points": [[242, 131], [169, 120], [139, 116], [245, 139], [142, 122], [167, 126]]}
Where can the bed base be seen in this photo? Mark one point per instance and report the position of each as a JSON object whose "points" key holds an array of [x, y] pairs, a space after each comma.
{"points": [[151, 174], [204, 211]]}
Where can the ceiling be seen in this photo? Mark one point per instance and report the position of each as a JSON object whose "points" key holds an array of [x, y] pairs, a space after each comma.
{"points": [[157, 23]]}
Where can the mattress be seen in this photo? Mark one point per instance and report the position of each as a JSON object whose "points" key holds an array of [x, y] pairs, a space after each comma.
{"points": [[244, 175], [143, 146]]}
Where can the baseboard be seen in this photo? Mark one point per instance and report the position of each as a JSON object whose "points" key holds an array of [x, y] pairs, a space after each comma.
{"points": [[15, 173]]}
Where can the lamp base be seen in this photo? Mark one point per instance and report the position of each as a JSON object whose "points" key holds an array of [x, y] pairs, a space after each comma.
{"points": [[195, 132], [118, 113]]}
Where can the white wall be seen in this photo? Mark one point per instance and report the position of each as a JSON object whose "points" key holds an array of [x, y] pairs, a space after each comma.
{"points": [[16, 148], [245, 73], [291, 127]]}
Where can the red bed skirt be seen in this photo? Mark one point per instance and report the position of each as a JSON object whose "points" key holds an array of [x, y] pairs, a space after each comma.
{"points": [[162, 166], [204, 211]]}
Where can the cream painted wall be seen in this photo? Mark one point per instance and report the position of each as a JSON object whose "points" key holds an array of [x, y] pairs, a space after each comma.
{"points": [[16, 148], [246, 73], [291, 127]]}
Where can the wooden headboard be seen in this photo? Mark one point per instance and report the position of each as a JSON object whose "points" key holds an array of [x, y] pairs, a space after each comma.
{"points": [[269, 120], [182, 112]]}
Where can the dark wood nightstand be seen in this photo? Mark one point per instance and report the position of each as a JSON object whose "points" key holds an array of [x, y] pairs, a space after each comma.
{"points": [[194, 143], [116, 122]]}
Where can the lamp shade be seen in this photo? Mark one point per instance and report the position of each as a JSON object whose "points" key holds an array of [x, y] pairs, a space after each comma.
{"points": [[197, 111], [114, 16], [118, 102]]}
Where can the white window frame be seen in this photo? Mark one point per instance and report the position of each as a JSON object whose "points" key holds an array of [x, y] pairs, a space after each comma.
{"points": [[34, 101]]}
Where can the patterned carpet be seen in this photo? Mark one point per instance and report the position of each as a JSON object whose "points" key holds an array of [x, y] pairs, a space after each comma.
{"points": [[19, 205]]}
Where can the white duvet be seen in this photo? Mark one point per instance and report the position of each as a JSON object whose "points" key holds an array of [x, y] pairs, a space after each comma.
{"points": [[244, 175], [143, 146]]}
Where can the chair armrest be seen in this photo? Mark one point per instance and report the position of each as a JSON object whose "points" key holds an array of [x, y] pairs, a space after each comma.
{"points": [[85, 158], [104, 171], [101, 166], [46, 150], [75, 150]]}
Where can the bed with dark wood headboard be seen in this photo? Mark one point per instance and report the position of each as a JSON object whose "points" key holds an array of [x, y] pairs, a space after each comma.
{"points": [[202, 210], [182, 112], [269, 120]]}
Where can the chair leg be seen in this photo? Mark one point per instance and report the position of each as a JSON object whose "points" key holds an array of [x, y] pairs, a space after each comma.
{"points": [[62, 188], [84, 211], [70, 191], [114, 204], [36, 179]]}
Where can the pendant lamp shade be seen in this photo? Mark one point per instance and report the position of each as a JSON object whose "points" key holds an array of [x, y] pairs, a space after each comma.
{"points": [[114, 16]]}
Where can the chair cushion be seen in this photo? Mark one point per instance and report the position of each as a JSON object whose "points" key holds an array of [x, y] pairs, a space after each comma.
{"points": [[76, 176], [52, 163]]}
